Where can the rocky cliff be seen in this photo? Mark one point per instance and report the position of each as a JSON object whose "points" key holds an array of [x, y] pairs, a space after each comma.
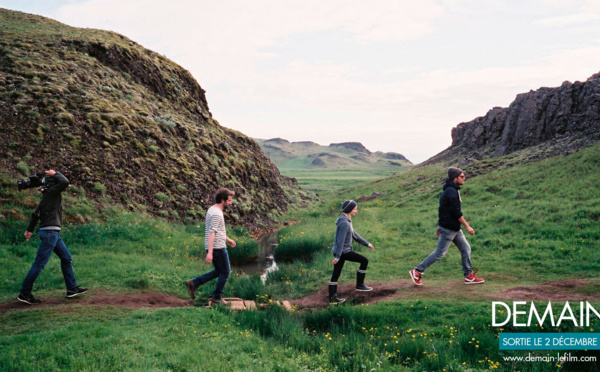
{"points": [[560, 119], [132, 126]]}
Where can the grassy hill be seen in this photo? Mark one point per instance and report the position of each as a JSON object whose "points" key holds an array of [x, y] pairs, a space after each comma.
{"points": [[324, 168], [534, 223], [133, 127], [521, 214]]}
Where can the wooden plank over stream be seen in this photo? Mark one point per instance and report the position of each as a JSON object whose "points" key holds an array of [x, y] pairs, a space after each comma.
{"points": [[240, 304]]}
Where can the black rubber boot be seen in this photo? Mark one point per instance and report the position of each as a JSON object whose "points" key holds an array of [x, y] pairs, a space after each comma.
{"points": [[360, 282], [333, 298]]}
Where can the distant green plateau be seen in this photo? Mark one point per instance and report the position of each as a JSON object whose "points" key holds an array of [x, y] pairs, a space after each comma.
{"points": [[322, 168]]}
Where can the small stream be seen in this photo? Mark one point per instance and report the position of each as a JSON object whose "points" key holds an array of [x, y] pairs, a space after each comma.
{"points": [[265, 263], [266, 256]]}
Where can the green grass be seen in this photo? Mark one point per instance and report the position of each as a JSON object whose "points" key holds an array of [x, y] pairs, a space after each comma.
{"points": [[534, 223], [332, 179], [193, 339], [419, 335]]}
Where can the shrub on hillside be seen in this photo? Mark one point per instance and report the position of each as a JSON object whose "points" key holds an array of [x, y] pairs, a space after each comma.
{"points": [[162, 197], [99, 188], [23, 168]]}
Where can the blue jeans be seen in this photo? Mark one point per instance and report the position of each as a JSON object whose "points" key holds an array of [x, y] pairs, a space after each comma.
{"points": [[50, 241], [446, 237], [222, 269]]}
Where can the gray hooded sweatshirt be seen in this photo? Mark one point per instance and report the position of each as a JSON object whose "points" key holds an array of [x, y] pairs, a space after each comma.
{"points": [[343, 237]]}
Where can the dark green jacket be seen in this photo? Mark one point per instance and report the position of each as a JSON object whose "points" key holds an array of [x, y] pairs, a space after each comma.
{"points": [[49, 211]]}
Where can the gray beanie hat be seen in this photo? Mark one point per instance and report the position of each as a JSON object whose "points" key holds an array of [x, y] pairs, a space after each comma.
{"points": [[348, 206], [454, 173]]}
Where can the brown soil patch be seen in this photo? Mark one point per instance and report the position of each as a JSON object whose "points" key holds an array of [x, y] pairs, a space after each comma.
{"points": [[380, 292], [563, 290], [132, 301], [387, 291]]}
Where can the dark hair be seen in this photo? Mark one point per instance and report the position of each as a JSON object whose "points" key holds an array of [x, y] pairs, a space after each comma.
{"points": [[223, 194]]}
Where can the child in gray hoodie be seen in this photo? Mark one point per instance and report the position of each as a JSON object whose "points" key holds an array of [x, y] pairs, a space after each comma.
{"points": [[342, 251]]}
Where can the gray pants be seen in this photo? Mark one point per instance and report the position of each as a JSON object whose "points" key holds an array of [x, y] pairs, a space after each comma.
{"points": [[447, 237]]}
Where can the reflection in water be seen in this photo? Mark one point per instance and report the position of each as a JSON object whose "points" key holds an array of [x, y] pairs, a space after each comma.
{"points": [[266, 256]]}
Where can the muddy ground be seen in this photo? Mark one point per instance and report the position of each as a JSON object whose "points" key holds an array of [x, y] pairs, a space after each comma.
{"points": [[132, 301], [563, 290]]}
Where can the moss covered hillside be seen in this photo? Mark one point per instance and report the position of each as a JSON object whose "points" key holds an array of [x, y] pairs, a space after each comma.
{"points": [[132, 126]]}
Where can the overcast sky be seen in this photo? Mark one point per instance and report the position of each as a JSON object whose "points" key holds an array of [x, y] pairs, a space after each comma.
{"points": [[396, 75]]}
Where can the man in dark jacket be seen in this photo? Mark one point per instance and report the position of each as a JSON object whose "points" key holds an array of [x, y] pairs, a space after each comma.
{"points": [[49, 213], [448, 230]]}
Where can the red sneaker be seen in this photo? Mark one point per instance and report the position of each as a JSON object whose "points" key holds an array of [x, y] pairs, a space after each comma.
{"points": [[416, 277], [472, 279]]}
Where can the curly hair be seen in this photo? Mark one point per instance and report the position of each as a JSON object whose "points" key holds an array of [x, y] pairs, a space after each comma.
{"points": [[223, 194]]}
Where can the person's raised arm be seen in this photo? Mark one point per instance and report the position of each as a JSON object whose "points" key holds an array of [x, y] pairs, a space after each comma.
{"points": [[61, 183]]}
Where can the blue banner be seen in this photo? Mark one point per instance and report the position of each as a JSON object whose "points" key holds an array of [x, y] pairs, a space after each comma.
{"points": [[549, 341]]}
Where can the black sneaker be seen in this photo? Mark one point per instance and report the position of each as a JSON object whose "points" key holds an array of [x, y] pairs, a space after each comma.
{"points": [[336, 300], [76, 291], [363, 288], [28, 299]]}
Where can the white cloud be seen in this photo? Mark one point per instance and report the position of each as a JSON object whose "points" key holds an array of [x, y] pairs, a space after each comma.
{"points": [[226, 37], [570, 20]]}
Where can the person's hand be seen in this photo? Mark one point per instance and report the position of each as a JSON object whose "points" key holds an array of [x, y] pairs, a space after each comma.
{"points": [[335, 261], [470, 230], [371, 246], [232, 243], [50, 173], [208, 259], [28, 235], [437, 233]]}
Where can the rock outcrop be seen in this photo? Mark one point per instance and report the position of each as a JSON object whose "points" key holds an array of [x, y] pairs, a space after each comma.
{"points": [[391, 155], [561, 120], [569, 111]]}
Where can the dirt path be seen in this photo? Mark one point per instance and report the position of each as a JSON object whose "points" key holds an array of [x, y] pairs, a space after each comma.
{"points": [[132, 301], [564, 290]]}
